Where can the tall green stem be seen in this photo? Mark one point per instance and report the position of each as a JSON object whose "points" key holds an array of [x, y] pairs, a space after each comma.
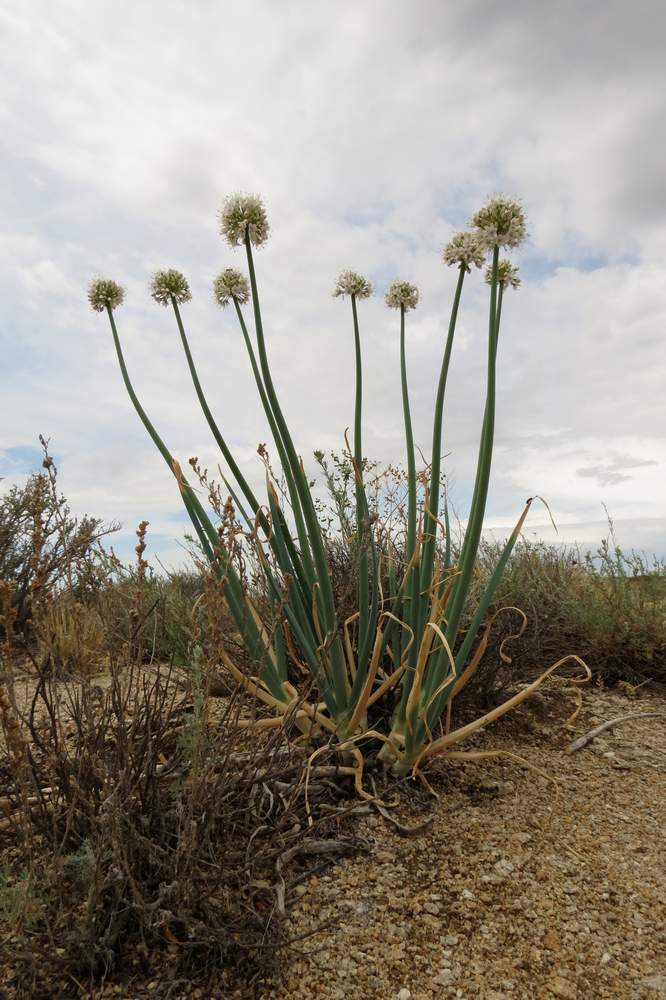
{"points": [[209, 538], [361, 526], [473, 534], [325, 588], [413, 588], [430, 520], [222, 444]]}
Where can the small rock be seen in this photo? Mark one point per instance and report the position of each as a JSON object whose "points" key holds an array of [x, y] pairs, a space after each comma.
{"points": [[503, 867], [451, 940], [443, 977], [361, 909], [562, 988], [606, 957], [404, 994], [466, 894], [433, 908]]}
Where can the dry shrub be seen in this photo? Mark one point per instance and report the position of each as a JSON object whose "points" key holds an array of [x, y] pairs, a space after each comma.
{"points": [[71, 638], [140, 841]]}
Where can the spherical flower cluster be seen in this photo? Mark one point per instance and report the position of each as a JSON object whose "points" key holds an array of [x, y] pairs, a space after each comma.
{"points": [[351, 283], [500, 223], [168, 285], [507, 274], [241, 214], [464, 249], [230, 284], [104, 293], [402, 295]]}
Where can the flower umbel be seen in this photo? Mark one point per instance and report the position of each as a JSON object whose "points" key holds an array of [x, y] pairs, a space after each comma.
{"points": [[168, 285], [105, 293], [500, 223], [241, 214], [402, 295], [231, 284], [464, 249], [507, 274], [351, 283]]}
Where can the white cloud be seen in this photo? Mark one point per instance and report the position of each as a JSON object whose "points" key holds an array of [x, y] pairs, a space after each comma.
{"points": [[372, 131]]}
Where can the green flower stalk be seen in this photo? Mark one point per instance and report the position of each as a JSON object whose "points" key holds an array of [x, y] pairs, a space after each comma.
{"points": [[357, 287], [336, 666], [465, 251], [404, 296]]}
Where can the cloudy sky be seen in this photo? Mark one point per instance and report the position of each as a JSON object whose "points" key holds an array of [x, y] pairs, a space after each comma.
{"points": [[373, 130]]}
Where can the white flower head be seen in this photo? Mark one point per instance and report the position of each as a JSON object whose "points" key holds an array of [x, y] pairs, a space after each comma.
{"points": [[351, 283], [500, 223], [104, 293], [402, 295], [230, 284], [507, 274], [464, 249], [241, 214], [168, 285]]}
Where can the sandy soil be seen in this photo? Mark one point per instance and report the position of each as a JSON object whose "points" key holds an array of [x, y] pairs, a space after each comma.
{"points": [[514, 892]]}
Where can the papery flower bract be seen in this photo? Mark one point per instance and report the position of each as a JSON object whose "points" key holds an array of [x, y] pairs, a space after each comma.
{"points": [[241, 214], [351, 283], [103, 292], [507, 274], [402, 294], [230, 284], [170, 284], [500, 223], [465, 249]]}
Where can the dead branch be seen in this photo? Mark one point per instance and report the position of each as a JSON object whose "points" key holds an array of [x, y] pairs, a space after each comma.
{"points": [[582, 741], [309, 845]]}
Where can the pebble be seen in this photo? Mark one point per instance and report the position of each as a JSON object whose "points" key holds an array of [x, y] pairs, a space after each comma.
{"points": [[404, 994], [562, 988], [503, 867]]}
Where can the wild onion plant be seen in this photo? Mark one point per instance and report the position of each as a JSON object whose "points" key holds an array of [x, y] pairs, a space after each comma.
{"points": [[402, 646]]}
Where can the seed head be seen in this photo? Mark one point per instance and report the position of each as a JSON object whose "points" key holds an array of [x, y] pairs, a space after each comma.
{"points": [[167, 285], [507, 274], [351, 283], [500, 223], [241, 214], [230, 284], [402, 294], [103, 292], [464, 249]]}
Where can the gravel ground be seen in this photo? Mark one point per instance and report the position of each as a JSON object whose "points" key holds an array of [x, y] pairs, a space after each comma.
{"points": [[514, 892]]}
